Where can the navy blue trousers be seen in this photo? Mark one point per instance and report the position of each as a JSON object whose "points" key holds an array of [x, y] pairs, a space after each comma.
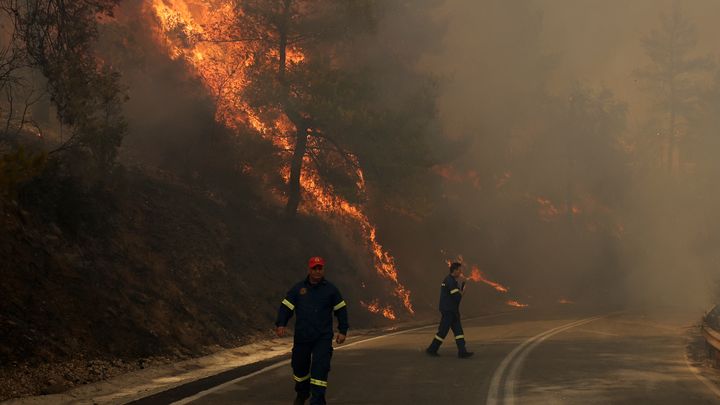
{"points": [[449, 320], [311, 366]]}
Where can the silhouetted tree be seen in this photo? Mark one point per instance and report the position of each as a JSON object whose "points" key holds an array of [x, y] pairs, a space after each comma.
{"points": [[577, 154], [672, 78], [595, 160], [56, 38], [705, 129]]}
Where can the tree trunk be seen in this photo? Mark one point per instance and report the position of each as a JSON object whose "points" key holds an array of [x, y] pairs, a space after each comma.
{"points": [[295, 116], [293, 202], [282, 42]]}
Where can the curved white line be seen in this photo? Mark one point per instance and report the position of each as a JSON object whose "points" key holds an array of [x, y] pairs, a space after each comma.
{"points": [[520, 353], [512, 377]]}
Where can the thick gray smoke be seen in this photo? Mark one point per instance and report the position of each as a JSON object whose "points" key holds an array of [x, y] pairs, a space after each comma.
{"points": [[554, 181], [547, 94]]}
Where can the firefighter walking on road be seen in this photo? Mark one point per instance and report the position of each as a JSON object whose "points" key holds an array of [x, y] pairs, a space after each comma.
{"points": [[314, 300], [451, 292]]}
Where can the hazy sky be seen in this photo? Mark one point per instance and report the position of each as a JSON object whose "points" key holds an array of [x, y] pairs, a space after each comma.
{"points": [[595, 41], [599, 40]]}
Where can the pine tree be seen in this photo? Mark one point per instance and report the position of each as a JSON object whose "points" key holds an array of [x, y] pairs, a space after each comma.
{"points": [[673, 78]]}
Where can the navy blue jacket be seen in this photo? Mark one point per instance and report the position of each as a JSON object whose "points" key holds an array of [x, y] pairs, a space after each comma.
{"points": [[450, 294], [314, 305]]}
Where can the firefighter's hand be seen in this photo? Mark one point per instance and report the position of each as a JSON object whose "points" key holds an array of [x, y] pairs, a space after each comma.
{"points": [[340, 338], [280, 331]]}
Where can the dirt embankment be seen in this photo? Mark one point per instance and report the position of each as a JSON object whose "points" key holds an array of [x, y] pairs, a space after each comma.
{"points": [[167, 272]]}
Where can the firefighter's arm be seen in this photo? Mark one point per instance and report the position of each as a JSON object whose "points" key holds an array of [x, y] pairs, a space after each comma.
{"points": [[286, 311], [340, 310], [455, 290], [462, 281]]}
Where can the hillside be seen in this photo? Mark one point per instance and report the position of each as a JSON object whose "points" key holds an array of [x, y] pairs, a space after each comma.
{"points": [[163, 272]]}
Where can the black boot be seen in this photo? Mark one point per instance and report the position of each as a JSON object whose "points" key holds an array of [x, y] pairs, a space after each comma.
{"points": [[317, 399], [301, 398], [432, 350], [465, 354]]}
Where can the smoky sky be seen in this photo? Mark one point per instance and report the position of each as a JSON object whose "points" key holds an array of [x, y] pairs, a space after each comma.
{"points": [[501, 63], [493, 47], [500, 66]]}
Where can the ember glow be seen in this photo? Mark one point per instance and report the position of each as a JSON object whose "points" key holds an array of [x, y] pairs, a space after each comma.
{"points": [[516, 304], [502, 180], [592, 214], [376, 308], [183, 28], [547, 210], [564, 301], [477, 276], [451, 174]]}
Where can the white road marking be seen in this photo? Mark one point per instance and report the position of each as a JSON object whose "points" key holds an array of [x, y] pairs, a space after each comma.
{"points": [[515, 360], [286, 362]]}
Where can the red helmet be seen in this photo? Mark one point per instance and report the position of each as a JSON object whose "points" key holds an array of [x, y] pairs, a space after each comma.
{"points": [[316, 260]]}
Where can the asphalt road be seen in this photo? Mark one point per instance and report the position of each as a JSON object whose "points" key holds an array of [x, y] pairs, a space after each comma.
{"points": [[522, 357]]}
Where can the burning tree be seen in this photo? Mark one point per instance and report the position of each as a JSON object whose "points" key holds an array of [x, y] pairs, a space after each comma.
{"points": [[307, 76], [307, 67]]}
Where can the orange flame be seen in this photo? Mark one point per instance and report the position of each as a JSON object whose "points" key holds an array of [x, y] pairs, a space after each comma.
{"points": [[564, 301], [478, 277], [222, 68], [516, 304], [547, 209], [375, 307]]}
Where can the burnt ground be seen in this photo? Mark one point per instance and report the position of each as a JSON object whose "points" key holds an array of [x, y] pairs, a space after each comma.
{"points": [[165, 271]]}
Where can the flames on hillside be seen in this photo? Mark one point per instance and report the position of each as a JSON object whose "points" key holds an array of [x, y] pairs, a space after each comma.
{"points": [[586, 210], [376, 308], [516, 304], [186, 29], [477, 276]]}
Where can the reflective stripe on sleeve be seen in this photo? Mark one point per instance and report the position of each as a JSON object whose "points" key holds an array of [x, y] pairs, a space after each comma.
{"points": [[340, 305], [318, 382], [288, 304], [300, 379], [454, 290]]}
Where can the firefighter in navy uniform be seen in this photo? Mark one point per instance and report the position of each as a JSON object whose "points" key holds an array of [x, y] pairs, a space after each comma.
{"points": [[451, 292], [314, 300]]}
